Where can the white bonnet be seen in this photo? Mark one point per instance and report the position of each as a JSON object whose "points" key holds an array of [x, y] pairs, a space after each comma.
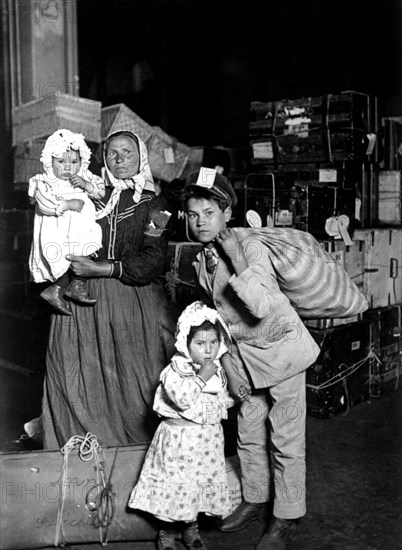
{"points": [[193, 316], [60, 142]]}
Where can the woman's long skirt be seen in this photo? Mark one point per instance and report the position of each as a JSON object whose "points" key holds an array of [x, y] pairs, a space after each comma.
{"points": [[103, 366]]}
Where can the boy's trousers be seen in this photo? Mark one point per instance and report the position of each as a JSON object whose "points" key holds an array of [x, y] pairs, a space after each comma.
{"points": [[275, 419]]}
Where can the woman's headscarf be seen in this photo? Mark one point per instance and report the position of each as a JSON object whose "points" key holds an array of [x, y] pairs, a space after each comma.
{"points": [[138, 182], [193, 316]]}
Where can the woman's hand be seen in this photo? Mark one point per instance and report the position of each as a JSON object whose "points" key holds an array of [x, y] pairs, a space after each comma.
{"points": [[85, 267], [230, 244]]}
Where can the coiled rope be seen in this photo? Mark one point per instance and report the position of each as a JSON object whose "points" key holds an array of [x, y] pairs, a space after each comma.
{"points": [[88, 449]]}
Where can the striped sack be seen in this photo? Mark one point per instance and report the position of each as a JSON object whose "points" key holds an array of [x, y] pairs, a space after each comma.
{"points": [[316, 285]]}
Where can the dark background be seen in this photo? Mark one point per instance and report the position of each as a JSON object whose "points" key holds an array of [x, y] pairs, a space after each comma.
{"points": [[193, 66]]}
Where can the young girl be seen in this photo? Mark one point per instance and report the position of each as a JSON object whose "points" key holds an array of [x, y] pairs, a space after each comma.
{"points": [[184, 471], [64, 220]]}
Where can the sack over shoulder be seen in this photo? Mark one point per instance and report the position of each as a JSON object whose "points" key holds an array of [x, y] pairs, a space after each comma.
{"points": [[315, 283]]}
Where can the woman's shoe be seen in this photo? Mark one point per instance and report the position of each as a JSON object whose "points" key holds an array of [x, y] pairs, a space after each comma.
{"points": [[192, 538], [166, 540], [77, 291], [54, 295]]}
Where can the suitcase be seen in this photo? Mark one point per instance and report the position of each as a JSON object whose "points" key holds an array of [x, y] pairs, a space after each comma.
{"points": [[387, 344], [42, 503], [339, 379], [280, 200]]}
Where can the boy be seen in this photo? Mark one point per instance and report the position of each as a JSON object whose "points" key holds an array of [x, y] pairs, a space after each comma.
{"points": [[270, 352]]}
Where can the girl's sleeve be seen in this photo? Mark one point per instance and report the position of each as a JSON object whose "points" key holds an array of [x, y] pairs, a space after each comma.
{"points": [[99, 187], [48, 204], [183, 388], [150, 262]]}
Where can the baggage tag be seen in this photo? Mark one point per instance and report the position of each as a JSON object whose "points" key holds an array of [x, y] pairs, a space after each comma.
{"points": [[372, 138], [337, 227], [206, 177], [253, 219], [284, 217], [343, 222], [169, 155], [327, 175]]}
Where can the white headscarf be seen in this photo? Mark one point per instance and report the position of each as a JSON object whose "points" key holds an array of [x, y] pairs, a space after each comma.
{"points": [[138, 182], [193, 316]]}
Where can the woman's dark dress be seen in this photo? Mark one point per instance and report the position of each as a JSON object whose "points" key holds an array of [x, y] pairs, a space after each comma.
{"points": [[103, 362]]}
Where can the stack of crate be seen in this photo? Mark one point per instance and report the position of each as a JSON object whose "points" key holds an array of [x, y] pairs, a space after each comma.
{"points": [[323, 152], [314, 159], [361, 357]]}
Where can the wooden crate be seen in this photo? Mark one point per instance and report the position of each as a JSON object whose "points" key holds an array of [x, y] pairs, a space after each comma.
{"points": [[27, 160], [382, 283], [167, 157], [390, 197], [119, 117], [40, 118]]}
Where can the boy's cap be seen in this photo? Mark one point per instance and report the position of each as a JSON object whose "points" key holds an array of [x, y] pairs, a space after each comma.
{"points": [[215, 183]]}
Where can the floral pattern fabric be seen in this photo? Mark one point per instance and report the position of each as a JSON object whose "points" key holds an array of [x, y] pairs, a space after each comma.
{"points": [[184, 473]]}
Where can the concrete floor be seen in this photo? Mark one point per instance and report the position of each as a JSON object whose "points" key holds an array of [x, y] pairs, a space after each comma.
{"points": [[354, 475]]}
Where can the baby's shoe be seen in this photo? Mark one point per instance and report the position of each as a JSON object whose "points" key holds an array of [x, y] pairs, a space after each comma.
{"points": [[192, 538], [54, 295], [166, 539], [77, 291]]}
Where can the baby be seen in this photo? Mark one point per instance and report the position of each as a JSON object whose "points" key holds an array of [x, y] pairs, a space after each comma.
{"points": [[64, 220]]}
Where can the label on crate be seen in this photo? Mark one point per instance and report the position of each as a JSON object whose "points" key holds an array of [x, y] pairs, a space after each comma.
{"points": [[297, 126], [168, 153], [355, 345], [263, 150], [327, 175], [284, 217]]}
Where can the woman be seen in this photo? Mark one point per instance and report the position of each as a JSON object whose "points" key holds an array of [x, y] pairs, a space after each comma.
{"points": [[103, 362]]}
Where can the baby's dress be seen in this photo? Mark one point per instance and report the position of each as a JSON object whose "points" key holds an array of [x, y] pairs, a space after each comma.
{"points": [[57, 234], [184, 471]]}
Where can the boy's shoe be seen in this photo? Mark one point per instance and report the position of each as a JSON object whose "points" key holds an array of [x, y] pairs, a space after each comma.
{"points": [[192, 538], [279, 532], [77, 291], [54, 295], [166, 540]]}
